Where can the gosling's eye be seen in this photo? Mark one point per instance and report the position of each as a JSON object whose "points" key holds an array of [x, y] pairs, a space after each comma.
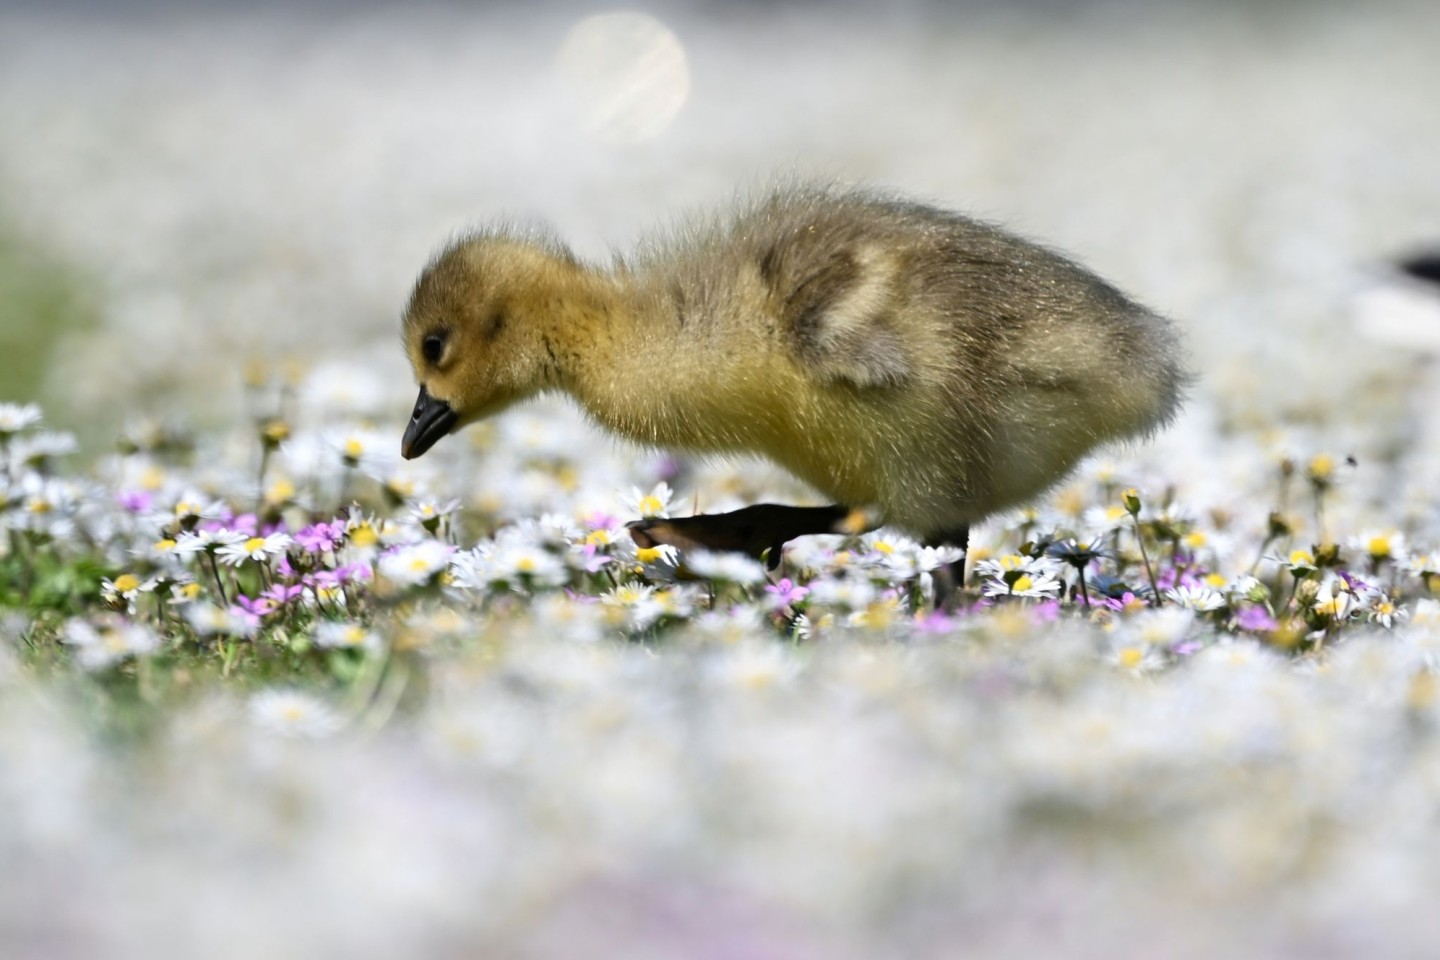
{"points": [[433, 347]]}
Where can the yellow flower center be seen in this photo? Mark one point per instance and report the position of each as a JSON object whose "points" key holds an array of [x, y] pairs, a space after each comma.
{"points": [[1379, 546], [254, 544], [419, 565], [126, 582], [354, 449], [650, 505], [1130, 657], [40, 505], [1023, 584], [649, 554], [1196, 539], [882, 547], [525, 565], [1216, 580], [1322, 466], [598, 538], [1302, 558], [364, 536], [1423, 690], [152, 479], [280, 491]]}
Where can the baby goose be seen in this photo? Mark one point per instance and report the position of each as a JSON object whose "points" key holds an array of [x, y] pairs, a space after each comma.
{"points": [[909, 362]]}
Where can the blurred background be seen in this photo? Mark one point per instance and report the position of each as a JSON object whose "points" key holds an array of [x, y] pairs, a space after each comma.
{"points": [[196, 194], [188, 188]]}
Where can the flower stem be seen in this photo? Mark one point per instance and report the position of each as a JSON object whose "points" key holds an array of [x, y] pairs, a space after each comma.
{"points": [[215, 571], [1149, 572]]}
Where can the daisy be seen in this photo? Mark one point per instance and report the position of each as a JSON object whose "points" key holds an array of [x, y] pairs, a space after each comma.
{"points": [[1024, 585], [15, 417], [725, 567], [190, 543], [656, 503], [1137, 658], [207, 620], [636, 602], [1380, 546], [429, 512], [291, 713], [852, 592], [363, 449], [125, 589], [98, 647], [1199, 598], [330, 635], [259, 549], [415, 564]]}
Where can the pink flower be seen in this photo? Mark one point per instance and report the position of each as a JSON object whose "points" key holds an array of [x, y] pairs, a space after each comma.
{"points": [[320, 537], [785, 593], [1255, 618]]}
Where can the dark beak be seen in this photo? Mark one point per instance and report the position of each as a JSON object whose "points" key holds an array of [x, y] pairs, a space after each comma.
{"points": [[431, 420]]}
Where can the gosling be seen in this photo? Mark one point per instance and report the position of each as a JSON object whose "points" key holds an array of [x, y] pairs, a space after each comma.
{"points": [[919, 368]]}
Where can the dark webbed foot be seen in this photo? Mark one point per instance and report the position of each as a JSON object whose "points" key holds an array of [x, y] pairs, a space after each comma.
{"points": [[951, 577], [751, 531]]}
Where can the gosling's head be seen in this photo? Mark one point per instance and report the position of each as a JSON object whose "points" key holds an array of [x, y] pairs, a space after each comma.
{"points": [[471, 332]]}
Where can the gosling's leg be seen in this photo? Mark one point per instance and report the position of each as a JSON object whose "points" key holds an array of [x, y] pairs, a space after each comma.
{"points": [[951, 577], [751, 530]]}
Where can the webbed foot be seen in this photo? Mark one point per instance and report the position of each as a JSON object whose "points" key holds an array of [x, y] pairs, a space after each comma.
{"points": [[759, 531]]}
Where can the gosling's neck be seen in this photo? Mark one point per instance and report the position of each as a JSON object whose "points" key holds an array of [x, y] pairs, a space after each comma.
{"points": [[587, 335], [616, 342]]}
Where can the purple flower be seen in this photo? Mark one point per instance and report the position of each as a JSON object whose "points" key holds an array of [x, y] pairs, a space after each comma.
{"points": [[1047, 611], [1255, 618], [329, 579], [936, 621], [592, 559], [786, 592], [252, 610], [319, 537], [136, 501], [601, 521], [1353, 584], [282, 594]]}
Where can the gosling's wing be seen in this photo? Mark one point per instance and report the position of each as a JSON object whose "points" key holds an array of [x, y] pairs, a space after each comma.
{"points": [[838, 309]]}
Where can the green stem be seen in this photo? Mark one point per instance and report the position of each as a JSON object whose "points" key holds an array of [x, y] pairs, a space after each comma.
{"points": [[1149, 572], [215, 571]]}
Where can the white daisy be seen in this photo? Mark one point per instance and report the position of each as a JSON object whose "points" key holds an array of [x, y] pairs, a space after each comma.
{"points": [[103, 645], [725, 567], [656, 503], [416, 563], [15, 417], [259, 549], [292, 713], [330, 635]]}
